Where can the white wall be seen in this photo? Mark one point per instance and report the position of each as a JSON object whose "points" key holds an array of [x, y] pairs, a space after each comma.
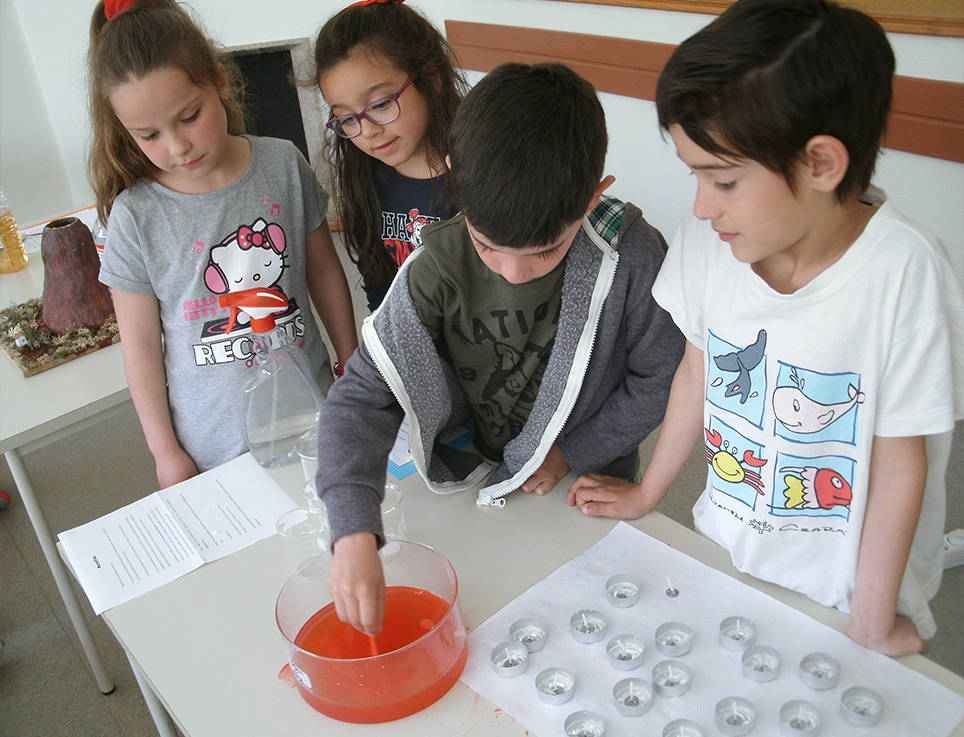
{"points": [[645, 166], [32, 172]]}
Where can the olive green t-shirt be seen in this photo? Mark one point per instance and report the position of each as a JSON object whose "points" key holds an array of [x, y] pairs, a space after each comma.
{"points": [[497, 335]]}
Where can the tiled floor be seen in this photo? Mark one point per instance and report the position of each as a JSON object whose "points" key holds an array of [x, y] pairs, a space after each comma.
{"points": [[45, 687]]}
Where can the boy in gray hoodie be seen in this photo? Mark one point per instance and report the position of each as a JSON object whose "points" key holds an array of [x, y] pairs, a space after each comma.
{"points": [[530, 314]]}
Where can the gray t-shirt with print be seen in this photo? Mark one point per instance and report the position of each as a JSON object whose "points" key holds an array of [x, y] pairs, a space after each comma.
{"points": [[186, 249]]}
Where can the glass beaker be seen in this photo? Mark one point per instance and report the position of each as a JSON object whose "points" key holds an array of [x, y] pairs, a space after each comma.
{"points": [[411, 664]]}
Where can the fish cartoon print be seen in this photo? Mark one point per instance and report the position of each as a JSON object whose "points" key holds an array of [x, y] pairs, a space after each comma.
{"points": [[741, 363], [800, 414], [809, 487]]}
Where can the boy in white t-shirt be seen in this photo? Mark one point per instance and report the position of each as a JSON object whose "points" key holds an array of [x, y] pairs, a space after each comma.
{"points": [[824, 367]]}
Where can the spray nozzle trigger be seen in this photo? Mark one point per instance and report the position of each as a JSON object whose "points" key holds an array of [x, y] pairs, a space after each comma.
{"points": [[259, 304]]}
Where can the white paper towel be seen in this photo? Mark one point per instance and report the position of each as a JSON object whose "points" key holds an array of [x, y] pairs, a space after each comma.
{"points": [[913, 704]]}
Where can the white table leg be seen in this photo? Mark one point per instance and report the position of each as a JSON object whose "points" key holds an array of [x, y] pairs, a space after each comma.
{"points": [[162, 719], [59, 570]]}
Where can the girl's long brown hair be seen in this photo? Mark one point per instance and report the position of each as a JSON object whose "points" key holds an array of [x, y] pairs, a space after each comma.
{"points": [[149, 36], [399, 35]]}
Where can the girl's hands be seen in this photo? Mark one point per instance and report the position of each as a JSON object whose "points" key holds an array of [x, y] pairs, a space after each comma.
{"points": [[356, 582], [174, 466]]}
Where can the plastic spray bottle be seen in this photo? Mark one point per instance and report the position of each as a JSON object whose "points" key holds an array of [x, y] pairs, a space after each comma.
{"points": [[281, 399]]}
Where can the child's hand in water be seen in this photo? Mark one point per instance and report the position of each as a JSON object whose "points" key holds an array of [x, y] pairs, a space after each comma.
{"points": [[553, 468], [604, 496], [356, 582]]}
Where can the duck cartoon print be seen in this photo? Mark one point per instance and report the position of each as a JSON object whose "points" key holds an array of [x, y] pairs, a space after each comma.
{"points": [[252, 256]]}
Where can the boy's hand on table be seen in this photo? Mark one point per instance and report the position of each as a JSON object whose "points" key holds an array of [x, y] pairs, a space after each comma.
{"points": [[902, 639], [356, 582], [173, 467], [553, 468], [604, 496]]}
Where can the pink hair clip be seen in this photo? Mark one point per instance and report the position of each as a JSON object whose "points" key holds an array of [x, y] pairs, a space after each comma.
{"points": [[373, 2], [113, 7]]}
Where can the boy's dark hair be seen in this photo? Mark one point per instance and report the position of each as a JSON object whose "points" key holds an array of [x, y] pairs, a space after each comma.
{"points": [[528, 148], [768, 75], [399, 35]]}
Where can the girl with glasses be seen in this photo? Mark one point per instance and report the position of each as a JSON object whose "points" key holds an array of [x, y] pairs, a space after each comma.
{"points": [[389, 78]]}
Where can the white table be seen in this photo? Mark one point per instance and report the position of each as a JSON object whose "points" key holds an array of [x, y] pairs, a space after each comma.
{"points": [[43, 408], [206, 645]]}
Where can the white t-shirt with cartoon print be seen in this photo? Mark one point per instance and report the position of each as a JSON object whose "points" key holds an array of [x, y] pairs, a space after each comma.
{"points": [[187, 249], [796, 387]]}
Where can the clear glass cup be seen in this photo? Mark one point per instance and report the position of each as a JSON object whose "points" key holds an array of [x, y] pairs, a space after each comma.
{"points": [[305, 535], [307, 449], [393, 520]]}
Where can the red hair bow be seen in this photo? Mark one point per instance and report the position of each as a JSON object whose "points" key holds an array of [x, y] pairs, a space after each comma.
{"points": [[373, 2], [113, 7]]}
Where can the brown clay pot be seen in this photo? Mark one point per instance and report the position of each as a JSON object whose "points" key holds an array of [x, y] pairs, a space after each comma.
{"points": [[73, 298]]}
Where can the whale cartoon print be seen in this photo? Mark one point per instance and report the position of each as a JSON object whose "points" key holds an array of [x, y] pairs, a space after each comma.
{"points": [[808, 487], [742, 362], [801, 414]]}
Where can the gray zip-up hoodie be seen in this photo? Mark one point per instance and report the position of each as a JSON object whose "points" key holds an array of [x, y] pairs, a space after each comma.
{"points": [[604, 390]]}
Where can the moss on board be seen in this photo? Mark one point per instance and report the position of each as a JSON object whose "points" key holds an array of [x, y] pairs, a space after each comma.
{"points": [[44, 348]]}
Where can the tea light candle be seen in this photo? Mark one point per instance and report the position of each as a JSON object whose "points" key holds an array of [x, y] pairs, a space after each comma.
{"points": [[800, 719], [674, 639], [735, 716], [587, 626], [625, 652], [584, 724], [819, 671], [623, 590], [861, 706], [510, 659], [671, 678], [530, 632], [761, 663], [737, 633], [632, 697], [555, 686], [682, 728]]}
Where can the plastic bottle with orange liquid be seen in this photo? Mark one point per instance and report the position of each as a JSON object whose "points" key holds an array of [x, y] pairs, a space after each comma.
{"points": [[12, 256]]}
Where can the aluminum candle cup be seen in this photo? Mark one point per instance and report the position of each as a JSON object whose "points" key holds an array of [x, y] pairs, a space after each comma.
{"points": [[819, 671], [800, 719], [623, 590], [632, 697], [674, 639], [587, 626], [530, 632], [683, 728], [735, 716], [671, 678], [861, 706], [510, 659], [761, 663], [737, 633], [625, 652], [584, 724], [555, 686], [329, 659]]}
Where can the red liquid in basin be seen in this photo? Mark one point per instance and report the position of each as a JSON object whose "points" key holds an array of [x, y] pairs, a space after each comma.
{"points": [[422, 650]]}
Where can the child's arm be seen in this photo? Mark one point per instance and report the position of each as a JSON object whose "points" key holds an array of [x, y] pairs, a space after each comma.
{"points": [[139, 323], [356, 582], [330, 293], [898, 471], [553, 468], [601, 496]]}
